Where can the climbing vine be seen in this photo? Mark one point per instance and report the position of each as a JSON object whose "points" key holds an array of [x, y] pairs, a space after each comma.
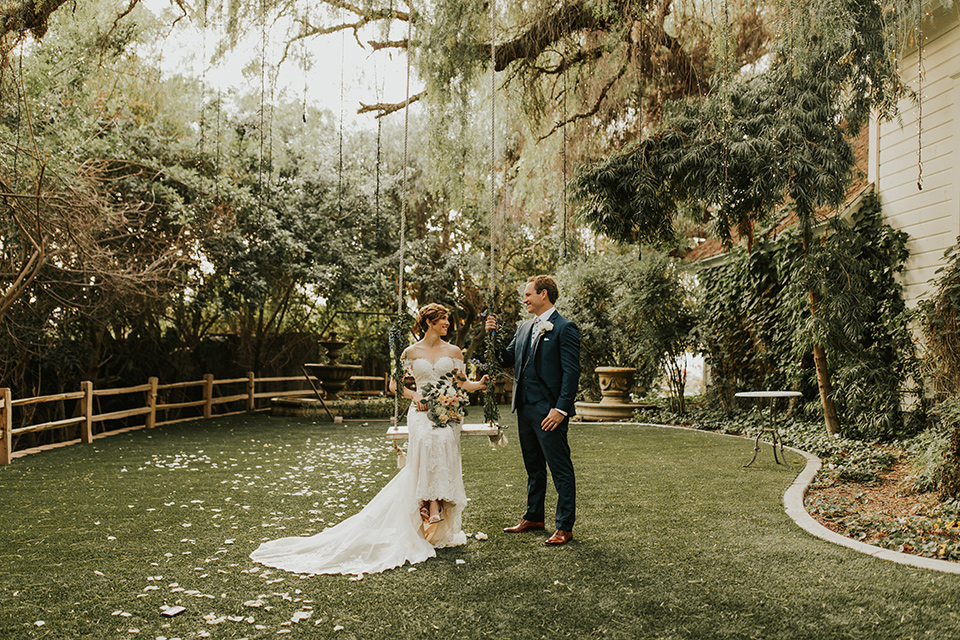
{"points": [[757, 328]]}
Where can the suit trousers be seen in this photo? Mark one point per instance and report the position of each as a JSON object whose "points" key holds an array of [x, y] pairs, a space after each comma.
{"points": [[542, 449]]}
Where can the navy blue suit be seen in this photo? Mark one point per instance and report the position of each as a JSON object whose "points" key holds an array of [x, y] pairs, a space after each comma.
{"points": [[546, 376]]}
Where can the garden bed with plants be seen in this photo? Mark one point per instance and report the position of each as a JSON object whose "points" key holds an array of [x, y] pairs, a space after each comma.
{"points": [[880, 494]]}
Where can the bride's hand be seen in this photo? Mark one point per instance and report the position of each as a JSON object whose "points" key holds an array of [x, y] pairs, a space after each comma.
{"points": [[419, 402]]}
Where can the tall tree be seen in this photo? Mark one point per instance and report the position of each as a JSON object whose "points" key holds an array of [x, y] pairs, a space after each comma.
{"points": [[760, 141]]}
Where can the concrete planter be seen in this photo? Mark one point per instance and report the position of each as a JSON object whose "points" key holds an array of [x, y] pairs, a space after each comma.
{"points": [[616, 384]]}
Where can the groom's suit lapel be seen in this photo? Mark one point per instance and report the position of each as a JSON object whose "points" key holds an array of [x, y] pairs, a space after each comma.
{"points": [[525, 330], [536, 343]]}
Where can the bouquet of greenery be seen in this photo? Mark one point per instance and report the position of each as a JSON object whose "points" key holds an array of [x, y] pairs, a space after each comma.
{"points": [[446, 401]]}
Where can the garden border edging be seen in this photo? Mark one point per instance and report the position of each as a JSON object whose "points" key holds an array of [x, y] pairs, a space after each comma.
{"points": [[794, 507]]}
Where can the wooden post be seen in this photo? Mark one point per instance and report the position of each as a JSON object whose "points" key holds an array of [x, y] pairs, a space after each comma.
{"points": [[207, 395], [86, 406], [152, 403], [251, 391], [6, 426]]}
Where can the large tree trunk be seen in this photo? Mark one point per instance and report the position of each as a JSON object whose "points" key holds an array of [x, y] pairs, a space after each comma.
{"points": [[823, 376]]}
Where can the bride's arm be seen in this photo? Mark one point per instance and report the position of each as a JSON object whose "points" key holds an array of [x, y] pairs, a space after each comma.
{"points": [[474, 385], [469, 385], [415, 396]]}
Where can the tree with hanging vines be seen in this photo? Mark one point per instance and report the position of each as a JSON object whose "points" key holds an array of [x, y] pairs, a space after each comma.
{"points": [[761, 141]]}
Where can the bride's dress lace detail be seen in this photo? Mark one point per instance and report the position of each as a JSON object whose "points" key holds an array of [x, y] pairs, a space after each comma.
{"points": [[388, 531]]}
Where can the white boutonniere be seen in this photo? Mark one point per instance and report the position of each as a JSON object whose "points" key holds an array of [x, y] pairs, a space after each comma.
{"points": [[546, 327]]}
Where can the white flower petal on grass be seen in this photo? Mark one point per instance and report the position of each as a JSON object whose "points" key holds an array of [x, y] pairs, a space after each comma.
{"points": [[338, 628], [459, 561], [301, 615], [39, 623], [480, 535], [97, 573]]}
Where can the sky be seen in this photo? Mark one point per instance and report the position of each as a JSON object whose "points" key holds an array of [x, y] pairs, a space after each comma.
{"points": [[340, 66]]}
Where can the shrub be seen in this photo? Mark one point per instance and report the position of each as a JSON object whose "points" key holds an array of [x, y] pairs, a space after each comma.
{"points": [[631, 313]]}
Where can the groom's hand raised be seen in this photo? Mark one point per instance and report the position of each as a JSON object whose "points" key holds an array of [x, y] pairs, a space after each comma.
{"points": [[491, 323]]}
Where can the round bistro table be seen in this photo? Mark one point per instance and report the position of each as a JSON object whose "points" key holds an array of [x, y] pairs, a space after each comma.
{"points": [[771, 396]]}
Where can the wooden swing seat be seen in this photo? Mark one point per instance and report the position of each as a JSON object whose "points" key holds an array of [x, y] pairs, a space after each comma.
{"points": [[400, 432]]}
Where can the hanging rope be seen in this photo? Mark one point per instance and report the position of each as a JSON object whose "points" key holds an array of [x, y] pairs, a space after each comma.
{"points": [[376, 192], [492, 339], [398, 330], [563, 249], [340, 170], [920, 99], [216, 162], [263, 90], [304, 62], [203, 84], [493, 140]]}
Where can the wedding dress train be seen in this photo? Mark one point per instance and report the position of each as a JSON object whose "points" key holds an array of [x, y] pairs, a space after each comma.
{"points": [[389, 531]]}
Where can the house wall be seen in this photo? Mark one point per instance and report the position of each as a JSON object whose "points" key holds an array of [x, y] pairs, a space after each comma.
{"points": [[931, 215]]}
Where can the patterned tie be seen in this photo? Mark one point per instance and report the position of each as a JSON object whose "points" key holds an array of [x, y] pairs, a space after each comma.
{"points": [[535, 331]]}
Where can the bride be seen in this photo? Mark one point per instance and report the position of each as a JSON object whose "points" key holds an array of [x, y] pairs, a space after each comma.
{"points": [[420, 509]]}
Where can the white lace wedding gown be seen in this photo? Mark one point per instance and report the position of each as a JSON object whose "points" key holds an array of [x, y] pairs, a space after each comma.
{"points": [[388, 531]]}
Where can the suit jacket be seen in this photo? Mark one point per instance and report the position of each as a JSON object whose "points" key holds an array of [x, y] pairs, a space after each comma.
{"points": [[555, 358]]}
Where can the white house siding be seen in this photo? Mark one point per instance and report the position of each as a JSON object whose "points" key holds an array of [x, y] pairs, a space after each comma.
{"points": [[930, 216]]}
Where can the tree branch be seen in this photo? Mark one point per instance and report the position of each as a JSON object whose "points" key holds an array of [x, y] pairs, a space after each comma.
{"points": [[570, 18], [593, 110], [28, 15], [384, 109]]}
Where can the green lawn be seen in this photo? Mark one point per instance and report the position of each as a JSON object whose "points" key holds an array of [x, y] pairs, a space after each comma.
{"points": [[675, 540]]}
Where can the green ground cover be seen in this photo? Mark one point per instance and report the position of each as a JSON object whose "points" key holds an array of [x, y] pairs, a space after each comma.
{"points": [[675, 540]]}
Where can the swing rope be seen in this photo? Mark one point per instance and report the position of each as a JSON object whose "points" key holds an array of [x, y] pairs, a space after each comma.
{"points": [[340, 165], [920, 78], [492, 339], [397, 331], [563, 250]]}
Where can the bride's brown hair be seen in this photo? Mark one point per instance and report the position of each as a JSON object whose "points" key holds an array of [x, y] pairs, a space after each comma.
{"points": [[429, 314]]}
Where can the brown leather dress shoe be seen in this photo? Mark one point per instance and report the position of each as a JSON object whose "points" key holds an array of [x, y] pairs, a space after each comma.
{"points": [[525, 525], [559, 537]]}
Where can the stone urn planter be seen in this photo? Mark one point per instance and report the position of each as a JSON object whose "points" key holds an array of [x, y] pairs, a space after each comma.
{"points": [[616, 383]]}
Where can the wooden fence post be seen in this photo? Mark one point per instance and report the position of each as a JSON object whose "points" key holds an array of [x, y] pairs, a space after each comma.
{"points": [[152, 403], [86, 407], [6, 426], [251, 391], [207, 395]]}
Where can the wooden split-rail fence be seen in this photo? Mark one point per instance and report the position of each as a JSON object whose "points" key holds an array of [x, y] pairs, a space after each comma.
{"points": [[154, 412]]}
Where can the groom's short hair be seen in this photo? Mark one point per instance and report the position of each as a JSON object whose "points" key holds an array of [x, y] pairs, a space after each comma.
{"points": [[547, 283]]}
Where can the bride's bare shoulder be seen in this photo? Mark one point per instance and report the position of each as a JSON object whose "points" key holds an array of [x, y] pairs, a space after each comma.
{"points": [[414, 351], [453, 351]]}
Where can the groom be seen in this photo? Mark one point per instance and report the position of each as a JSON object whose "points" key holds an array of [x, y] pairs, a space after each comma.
{"points": [[545, 355]]}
